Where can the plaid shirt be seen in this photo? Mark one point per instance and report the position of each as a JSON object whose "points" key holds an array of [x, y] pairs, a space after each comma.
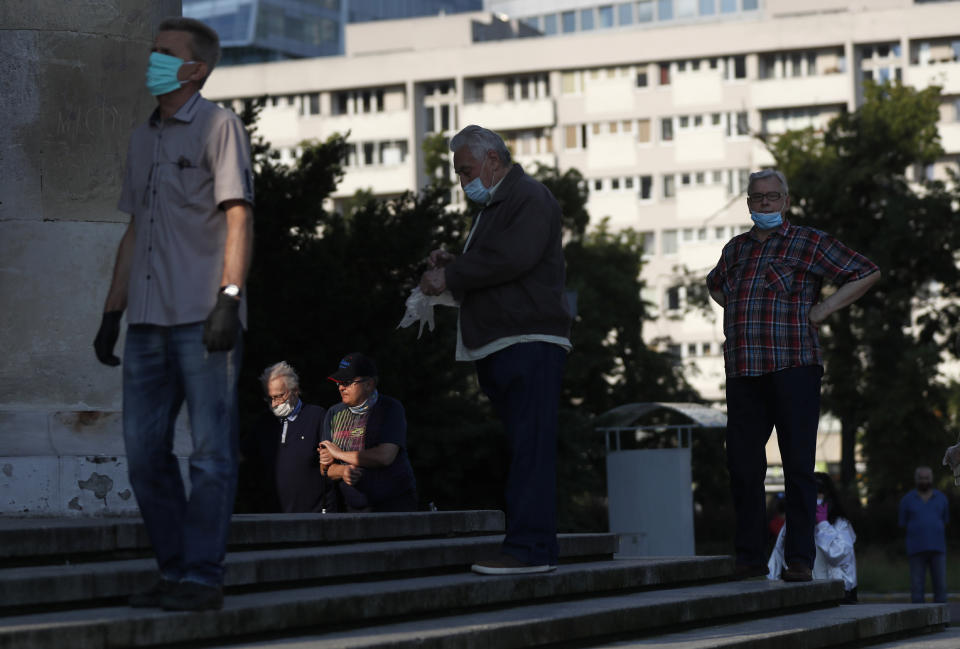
{"points": [[770, 287]]}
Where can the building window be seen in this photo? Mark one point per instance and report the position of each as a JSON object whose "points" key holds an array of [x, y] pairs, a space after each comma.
{"points": [[315, 104], [728, 6], [598, 185], [642, 79], [750, 5], [740, 67], [673, 301], [669, 242], [646, 187], [669, 186], [550, 24], [570, 137], [643, 130], [691, 349], [664, 74], [606, 16], [586, 19], [431, 122], [686, 8], [649, 243], [666, 129], [708, 7], [645, 11], [625, 14], [664, 9], [569, 21]]}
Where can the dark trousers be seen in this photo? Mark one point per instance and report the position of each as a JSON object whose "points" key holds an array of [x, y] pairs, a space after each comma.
{"points": [[523, 385], [937, 563], [790, 400]]}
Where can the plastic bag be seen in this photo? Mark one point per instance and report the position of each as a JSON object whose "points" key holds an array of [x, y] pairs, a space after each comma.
{"points": [[420, 308]]}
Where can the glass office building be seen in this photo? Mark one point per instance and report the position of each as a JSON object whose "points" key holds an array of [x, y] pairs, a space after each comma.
{"points": [[257, 31]]}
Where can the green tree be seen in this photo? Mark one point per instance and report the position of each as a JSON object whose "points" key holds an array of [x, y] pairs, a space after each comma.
{"points": [[883, 353], [326, 283]]}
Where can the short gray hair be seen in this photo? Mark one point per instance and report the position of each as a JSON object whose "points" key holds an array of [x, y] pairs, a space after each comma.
{"points": [[205, 43], [480, 140], [767, 173], [281, 370]]}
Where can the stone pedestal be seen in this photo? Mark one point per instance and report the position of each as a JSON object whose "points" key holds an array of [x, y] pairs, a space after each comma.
{"points": [[71, 92]]}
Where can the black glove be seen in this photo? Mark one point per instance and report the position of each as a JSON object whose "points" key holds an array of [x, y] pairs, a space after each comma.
{"points": [[222, 325], [107, 337]]}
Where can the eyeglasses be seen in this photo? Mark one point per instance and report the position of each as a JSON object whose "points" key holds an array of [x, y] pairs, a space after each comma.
{"points": [[347, 384], [759, 196], [278, 398]]}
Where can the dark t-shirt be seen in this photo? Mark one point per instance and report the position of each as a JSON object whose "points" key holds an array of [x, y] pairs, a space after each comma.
{"points": [[386, 423]]}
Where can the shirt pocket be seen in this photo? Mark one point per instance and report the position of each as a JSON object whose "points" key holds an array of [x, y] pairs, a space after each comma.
{"points": [[781, 278], [732, 278]]}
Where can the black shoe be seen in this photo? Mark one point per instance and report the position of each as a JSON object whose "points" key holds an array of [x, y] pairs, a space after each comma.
{"points": [[797, 572], [151, 598], [193, 596]]}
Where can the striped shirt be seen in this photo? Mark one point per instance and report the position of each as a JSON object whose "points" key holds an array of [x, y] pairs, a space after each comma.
{"points": [[770, 287]]}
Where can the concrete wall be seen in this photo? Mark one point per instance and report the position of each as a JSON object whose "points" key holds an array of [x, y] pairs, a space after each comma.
{"points": [[71, 91]]}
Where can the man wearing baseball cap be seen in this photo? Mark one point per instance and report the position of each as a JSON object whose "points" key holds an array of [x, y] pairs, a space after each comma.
{"points": [[363, 450]]}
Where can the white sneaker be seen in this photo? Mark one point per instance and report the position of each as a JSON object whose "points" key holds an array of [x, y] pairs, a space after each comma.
{"points": [[508, 565]]}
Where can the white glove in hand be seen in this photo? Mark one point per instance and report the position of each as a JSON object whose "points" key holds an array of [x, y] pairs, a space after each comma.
{"points": [[420, 308], [952, 459]]}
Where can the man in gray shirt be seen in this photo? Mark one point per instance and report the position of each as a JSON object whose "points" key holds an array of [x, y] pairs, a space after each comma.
{"points": [[179, 273]]}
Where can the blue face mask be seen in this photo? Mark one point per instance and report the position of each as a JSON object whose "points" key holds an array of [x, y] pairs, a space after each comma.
{"points": [[766, 220], [162, 73], [475, 190]]}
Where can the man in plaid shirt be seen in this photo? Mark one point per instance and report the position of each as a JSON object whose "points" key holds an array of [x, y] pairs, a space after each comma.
{"points": [[768, 282]]}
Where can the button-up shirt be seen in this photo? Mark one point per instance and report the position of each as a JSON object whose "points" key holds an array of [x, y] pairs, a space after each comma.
{"points": [[770, 287], [179, 173]]}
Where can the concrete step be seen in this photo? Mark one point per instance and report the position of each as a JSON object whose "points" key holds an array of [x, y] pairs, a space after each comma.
{"points": [[347, 604], [90, 583], [839, 626], [27, 538], [948, 638], [567, 623]]}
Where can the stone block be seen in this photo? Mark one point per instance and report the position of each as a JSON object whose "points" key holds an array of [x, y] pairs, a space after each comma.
{"points": [[95, 485], [29, 485]]}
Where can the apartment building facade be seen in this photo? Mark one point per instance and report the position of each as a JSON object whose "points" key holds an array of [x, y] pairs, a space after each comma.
{"points": [[660, 115]]}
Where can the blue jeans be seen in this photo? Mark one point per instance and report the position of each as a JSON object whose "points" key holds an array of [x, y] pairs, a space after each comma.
{"points": [[161, 367], [790, 400], [523, 384], [919, 562]]}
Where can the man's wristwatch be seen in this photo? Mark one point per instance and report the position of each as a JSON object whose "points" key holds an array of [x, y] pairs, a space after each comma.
{"points": [[230, 290]]}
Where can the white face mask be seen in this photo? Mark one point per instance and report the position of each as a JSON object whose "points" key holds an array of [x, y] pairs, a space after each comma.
{"points": [[283, 409]]}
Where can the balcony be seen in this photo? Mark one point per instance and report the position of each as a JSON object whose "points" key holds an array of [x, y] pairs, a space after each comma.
{"points": [[381, 180], [946, 75], [395, 125], [805, 91], [511, 115]]}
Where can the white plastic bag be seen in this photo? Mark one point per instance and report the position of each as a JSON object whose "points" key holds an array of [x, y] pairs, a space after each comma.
{"points": [[420, 308]]}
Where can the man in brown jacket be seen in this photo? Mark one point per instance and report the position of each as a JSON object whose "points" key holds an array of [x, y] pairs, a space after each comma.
{"points": [[515, 325]]}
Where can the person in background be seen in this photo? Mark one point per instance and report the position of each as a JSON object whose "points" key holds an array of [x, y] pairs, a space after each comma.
{"points": [[286, 443], [924, 513], [363, 450], [833, 538], [768, 281]]}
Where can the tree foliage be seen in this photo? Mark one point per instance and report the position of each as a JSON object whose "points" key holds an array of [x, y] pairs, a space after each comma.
{"points": [[882, 354], [324, 283]]}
